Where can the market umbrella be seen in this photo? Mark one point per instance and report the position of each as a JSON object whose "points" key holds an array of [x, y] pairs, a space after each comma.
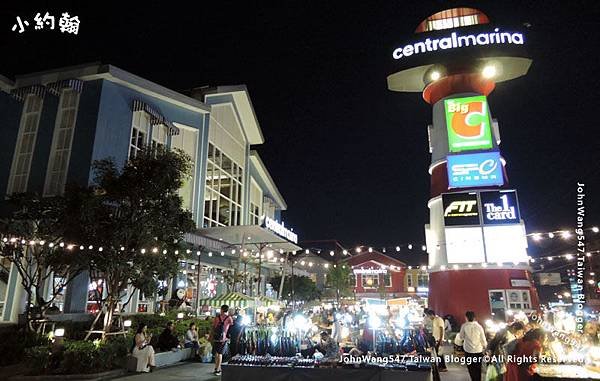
{"points": [[232, 299]]}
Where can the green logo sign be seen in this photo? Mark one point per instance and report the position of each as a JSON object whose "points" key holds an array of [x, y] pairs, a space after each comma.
{"points": [[469, 123]]}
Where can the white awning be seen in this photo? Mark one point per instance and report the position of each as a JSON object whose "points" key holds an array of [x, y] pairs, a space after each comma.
{"points": [[250, 237]]}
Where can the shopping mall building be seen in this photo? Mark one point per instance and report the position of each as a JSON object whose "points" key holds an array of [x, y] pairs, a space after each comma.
{"points": [[55, 124]]}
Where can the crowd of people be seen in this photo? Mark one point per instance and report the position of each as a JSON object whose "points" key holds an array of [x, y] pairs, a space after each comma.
{"points": [[327, 340]]}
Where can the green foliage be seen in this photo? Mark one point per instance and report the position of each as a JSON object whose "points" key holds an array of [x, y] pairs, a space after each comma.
{"points": [[38, 359], [304, 287], [14, 344], [33, 218], [131, 209], [79, 357], [339, 279]]}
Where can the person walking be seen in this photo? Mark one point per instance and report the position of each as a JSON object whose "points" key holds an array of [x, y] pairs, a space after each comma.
{"points": [[221, 325], [497, 349], [438, 332], [474, 343]]}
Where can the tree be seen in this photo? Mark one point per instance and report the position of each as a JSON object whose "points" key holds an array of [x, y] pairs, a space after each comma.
{"points": [[338, 278], [304, 287], [134, 220], [32, 240]]}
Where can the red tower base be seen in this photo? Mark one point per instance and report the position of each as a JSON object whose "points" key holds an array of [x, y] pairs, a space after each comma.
{"points": [[454, 292]]}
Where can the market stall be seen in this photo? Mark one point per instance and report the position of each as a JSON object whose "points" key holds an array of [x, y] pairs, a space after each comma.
{"points": [[292, 368]]}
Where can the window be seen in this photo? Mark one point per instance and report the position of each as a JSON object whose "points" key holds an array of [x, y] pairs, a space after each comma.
{"points": [[142, 302], [19, 173], [140, 128], [223, 196], [254, 214], [159, 136], [5, 266], [62, 142], [387, 280], [497, 303], [422, 280], [409, 280], [370, 281], [453, 22]]}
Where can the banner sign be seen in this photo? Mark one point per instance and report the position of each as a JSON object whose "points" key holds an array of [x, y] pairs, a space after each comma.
{"points": [[469, 124], [460, 209], [500, 207], [475, 170]]}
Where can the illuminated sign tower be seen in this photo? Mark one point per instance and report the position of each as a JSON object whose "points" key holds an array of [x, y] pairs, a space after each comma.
{"points": [[476, 239]]}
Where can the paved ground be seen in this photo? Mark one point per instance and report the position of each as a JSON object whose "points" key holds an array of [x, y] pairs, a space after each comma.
{"points": [[203, 372], [187, 371]]}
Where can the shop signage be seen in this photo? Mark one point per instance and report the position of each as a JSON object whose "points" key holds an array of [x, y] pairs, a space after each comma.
{"points": [[520, 283], [500, 207], [369, 271], [475, 170], [280, 229], [550, 279], [454, 40], [460, 209], [469, 124]]}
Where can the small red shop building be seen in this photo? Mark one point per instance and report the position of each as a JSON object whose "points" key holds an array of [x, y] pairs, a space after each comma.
{"points": [[376, 274]]}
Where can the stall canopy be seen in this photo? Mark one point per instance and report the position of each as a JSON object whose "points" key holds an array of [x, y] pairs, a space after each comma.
{"points": [[232, 299], [265, 301]]}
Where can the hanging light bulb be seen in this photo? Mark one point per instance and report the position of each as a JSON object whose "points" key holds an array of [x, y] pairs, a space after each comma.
{"points": [[397, 248]]}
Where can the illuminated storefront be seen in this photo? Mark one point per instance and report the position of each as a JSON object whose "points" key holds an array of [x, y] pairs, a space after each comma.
{"points": [[377, 275], [476, 239]]}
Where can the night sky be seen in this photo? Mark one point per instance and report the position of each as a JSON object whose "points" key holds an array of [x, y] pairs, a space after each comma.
{"points": [[349, 156]]}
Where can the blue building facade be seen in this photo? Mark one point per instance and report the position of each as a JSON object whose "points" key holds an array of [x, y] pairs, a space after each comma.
{"points": [[55, 124]]}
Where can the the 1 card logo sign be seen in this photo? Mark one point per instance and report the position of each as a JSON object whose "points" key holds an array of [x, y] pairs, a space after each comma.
{"points": [[500, 207], [460, 209], [475, 170], [469, 124]]}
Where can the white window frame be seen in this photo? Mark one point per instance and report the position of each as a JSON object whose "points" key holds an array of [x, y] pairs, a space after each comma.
{"points": [[158, 131], [409, 280], [54, 148], [18, 147], [364, 277], [143, 116]]}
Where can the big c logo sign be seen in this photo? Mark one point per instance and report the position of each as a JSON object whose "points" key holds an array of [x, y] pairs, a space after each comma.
{"points": [[469, 124]]}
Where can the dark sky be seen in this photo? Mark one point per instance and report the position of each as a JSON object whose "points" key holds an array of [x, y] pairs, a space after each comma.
{"points": [[350, 156]]}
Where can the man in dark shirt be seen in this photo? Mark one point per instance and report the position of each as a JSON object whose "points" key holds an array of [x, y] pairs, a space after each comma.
{"points": [[167, 340], [221, 325]]}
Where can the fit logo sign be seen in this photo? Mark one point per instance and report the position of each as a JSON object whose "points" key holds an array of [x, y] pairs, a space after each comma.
{"points": [[475, 170], [500, 207], [469, 124], [460, 209]]}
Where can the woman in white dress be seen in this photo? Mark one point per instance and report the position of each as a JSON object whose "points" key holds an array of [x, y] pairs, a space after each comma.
{"points": [[143, 351]]}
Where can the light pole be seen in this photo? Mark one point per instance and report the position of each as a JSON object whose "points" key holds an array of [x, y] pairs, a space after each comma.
{"points": [[198, 282]]}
